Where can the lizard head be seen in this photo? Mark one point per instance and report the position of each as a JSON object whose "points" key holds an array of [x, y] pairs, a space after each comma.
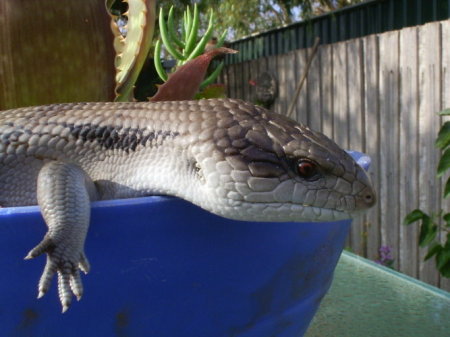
{"points": [[267, 167]]}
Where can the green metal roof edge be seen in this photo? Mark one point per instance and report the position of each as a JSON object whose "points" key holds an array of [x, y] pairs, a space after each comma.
{"points": [[363, 19], [305, 22]]}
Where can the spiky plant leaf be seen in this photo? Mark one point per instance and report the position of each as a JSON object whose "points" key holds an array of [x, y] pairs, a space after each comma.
{"points": [[132, 50]]}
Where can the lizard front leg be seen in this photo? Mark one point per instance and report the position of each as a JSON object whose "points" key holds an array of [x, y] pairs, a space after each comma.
{"points": [[64, 192]]}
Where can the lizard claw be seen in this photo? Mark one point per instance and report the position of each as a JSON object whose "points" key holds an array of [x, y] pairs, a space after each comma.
{"points": [[66, 261], [84, 264]]}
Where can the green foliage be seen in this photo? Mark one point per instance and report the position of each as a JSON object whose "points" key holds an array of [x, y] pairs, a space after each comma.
{"points": [[212, 91], [431, 225], [187, 46], [253, 16]]}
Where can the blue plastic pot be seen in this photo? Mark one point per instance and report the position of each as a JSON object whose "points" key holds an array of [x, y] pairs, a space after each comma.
{"points": [[163, 267]]}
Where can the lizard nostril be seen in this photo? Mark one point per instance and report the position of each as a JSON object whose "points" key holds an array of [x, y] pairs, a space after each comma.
{"points": [[366, 198], [369, 199]]}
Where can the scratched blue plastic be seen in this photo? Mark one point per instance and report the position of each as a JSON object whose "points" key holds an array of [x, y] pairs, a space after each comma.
{"points": [[163, 267]]}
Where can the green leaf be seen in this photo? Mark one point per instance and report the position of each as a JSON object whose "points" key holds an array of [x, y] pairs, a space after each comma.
{"points": [[447, 243], [212, 91], [187, 23], [211, 78], [435, 249], [444, 163], [447, 188], [192, 33], [165, 37], [446, 218], [172, 30], [444, 112], [445, 270], [204, 40], [221, 39], [442, 258], [428, 231], [157, 60], [414, 216], [184, 26], [443, 138]]}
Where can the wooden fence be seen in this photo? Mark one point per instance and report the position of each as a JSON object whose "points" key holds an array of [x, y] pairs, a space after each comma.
{"points": [[379, 94]]}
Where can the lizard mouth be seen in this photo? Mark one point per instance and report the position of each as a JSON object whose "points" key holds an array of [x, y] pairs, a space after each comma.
{"points": [[283, 212]]}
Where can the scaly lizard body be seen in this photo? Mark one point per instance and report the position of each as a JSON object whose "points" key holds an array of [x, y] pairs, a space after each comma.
{"points": [[229, 157]]}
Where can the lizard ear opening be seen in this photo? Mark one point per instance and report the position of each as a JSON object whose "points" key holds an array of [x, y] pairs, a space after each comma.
{"points": [[195, 169]]}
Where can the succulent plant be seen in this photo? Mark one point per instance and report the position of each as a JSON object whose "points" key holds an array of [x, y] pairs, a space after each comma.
{"points": [[184, 83], [188, 46]]}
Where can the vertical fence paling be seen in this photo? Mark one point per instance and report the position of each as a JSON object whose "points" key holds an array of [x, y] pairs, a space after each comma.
{"points": [[326, 89], [445, 29], [355, 133], [379, 94], [301, 104], [409, 161], [389, 152], [312, 92], [372, 134], [429, 104]]}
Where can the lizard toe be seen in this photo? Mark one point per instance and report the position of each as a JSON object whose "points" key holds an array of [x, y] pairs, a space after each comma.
{"points": [[45, 246], [66, 261], [46, 277], [76, 285], [64, 292]]}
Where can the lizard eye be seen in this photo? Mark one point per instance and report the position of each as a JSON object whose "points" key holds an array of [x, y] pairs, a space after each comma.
{"points": [[306, 168]]}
